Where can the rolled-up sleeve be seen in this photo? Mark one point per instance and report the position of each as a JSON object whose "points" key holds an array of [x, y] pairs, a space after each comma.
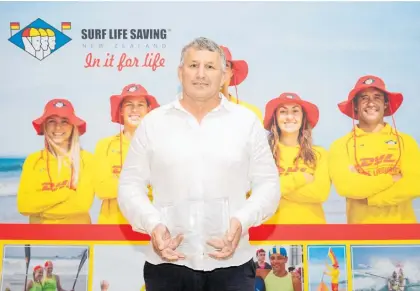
{"points": [[265, 182], [134, 179]]}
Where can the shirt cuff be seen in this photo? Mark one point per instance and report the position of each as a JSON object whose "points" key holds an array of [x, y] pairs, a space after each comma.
{"points": [[245, 220], [149, 225]]}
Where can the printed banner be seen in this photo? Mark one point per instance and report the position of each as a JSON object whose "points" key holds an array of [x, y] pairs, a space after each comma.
{"points": [[78, 78]]}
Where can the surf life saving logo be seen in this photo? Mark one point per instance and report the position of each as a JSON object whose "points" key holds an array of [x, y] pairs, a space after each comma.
{"points": [[38, 38], [132, 89], [369, 81]]}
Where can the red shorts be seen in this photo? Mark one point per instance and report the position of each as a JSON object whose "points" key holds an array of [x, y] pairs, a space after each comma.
{"points": [[334, 287]]}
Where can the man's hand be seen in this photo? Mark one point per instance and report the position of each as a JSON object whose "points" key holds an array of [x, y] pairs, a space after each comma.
{"points": [[164, 245], [226, 246]]}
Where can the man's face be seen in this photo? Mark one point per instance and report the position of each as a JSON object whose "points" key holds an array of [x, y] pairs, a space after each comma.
{"points": [[229, 73], [278, 261], [371, 106], [133, 110], [201, 74], [289, 117], [58, 129], [261, 257]]}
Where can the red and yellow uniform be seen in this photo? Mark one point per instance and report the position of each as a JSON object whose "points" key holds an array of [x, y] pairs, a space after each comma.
{"points": [[110, 154], [301, 202], [372, 195], [239, 74], [254, 109], [108, 168], [334, 273], [52, 201]]}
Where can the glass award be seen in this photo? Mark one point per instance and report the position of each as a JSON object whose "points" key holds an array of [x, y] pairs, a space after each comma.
{"points": [[198, 221], [216, 220], [184, 218]]}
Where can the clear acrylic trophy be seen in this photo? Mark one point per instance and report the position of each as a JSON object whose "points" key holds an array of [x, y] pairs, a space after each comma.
{"points": [[198, 221], [183, 218], [216, 220]]}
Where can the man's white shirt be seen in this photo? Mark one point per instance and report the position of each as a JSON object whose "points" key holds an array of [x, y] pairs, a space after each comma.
{"points": [[222, 158]]}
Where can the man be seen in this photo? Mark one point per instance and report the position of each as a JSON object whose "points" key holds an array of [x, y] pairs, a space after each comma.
{"points": [[393, 282], [334, 273], [237, 71], [128, 110], [198, 149], [261, 263], [279, 278], [375, 167]]}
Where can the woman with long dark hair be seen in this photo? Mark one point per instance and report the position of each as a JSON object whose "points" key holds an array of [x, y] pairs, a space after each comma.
{"points": [[303, 167]]}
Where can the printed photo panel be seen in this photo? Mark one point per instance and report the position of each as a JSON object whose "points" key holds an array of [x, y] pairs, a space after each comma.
{"points": [[279, 267], [126, 273], [327, 268], [386, 267], [45, 267]]}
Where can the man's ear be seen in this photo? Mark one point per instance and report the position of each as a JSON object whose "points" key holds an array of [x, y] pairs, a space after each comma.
{"points": [[180, 74]]}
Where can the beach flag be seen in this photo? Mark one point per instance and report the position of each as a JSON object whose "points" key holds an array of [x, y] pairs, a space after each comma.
{"points": [[65, 26], [332, 257], [322, 287], [14, 26]]}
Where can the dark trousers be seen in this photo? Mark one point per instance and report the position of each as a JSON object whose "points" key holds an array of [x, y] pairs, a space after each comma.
{"points": [[170, 277]]}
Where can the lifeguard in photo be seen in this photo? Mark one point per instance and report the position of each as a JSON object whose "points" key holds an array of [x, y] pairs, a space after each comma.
{"points": [[375, 166], [279, 277], [35, 284], [237, 72], [303, 167], [127, 110], [332, 271], [51, 281], [56, 184]]}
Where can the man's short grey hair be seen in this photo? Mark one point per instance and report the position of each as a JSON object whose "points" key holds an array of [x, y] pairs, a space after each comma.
{"points": [[203, 43]]}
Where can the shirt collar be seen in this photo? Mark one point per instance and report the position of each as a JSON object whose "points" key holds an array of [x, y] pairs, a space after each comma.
{"points": [[224, 103], [387, 129]]}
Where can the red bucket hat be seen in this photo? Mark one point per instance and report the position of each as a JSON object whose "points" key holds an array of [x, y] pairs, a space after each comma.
{"points": [[132, 90], [311, 110], [38, 267], [239, 68], [394, 99], [62, 108]]}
